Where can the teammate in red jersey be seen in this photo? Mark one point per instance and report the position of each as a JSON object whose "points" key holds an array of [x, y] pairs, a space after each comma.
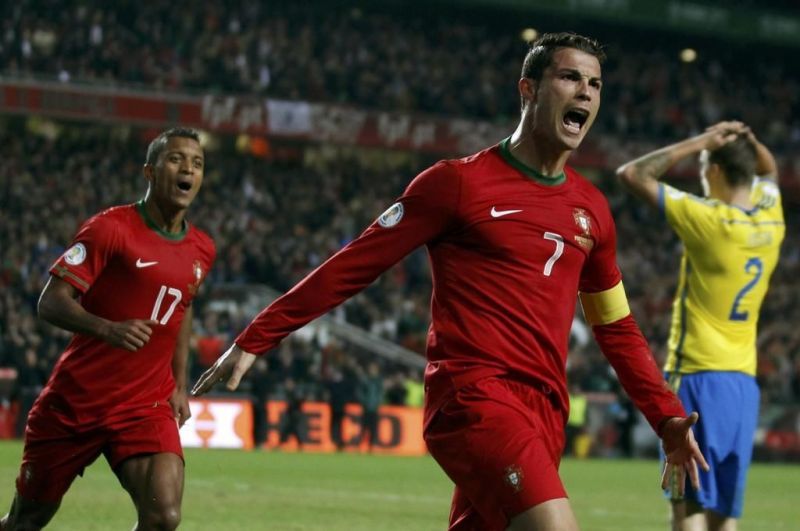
{"points": [[514, 235], [125, 288]]}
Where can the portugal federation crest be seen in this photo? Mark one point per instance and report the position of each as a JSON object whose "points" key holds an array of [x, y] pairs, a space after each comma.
{"points": [[197, 271], [584, 223], [514, 476]]}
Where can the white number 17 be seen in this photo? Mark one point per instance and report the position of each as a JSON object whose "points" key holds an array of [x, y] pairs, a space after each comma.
{"points": [[157, 306], [553, 237]]}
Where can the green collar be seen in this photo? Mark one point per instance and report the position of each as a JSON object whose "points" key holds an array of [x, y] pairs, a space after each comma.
{"points": [[539, 177], [153, 226]]}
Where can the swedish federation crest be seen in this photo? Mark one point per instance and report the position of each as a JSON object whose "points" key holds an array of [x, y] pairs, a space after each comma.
{"points": [[392, 216]]}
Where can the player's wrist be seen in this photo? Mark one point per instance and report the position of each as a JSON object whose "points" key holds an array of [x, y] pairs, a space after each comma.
{"points": [[103, 329]]}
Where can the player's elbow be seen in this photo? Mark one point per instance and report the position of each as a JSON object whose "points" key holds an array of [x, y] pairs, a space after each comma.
{"points": [[627, 175]]}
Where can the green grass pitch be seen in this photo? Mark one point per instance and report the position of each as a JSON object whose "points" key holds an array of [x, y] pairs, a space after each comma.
{"points": [[232, 490]]}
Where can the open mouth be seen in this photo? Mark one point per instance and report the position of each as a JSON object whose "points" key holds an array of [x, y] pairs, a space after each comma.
{"points": [[185, 185], [574, 119]]}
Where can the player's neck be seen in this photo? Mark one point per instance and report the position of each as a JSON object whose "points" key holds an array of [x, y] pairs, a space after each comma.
{"points": [[537, 153], [739, 197], [166, 219]]}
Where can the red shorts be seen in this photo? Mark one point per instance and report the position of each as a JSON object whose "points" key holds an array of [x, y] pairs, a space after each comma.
{"points": [[500, 441], [56, 450]]}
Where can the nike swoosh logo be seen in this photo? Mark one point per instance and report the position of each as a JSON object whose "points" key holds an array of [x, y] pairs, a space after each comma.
{"points": [[141, 264], [500, 213]]}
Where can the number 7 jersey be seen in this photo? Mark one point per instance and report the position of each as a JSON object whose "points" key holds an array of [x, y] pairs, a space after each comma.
{"points": [[509, 251], [126, 268], [728, 259]]}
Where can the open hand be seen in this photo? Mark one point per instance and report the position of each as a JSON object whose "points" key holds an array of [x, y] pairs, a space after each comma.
{"points": [[682, 453], [231, 366]]}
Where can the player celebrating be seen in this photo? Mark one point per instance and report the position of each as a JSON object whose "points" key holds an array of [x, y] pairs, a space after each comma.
{"points": [[731, 244], [513, 235], [120, 387]]}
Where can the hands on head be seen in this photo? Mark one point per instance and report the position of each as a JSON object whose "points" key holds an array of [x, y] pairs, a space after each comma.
{"points": [[682, 453], [230, 367], [722, 133]]}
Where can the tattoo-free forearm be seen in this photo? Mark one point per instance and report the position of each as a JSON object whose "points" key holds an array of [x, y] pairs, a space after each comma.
{"points": [[59, 309]]}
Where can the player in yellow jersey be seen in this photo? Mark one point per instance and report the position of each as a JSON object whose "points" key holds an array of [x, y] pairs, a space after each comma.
{"points": [[731, 239]]}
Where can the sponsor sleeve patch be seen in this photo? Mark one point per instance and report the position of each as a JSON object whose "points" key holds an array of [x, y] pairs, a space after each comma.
{"points": [[392, 216]]}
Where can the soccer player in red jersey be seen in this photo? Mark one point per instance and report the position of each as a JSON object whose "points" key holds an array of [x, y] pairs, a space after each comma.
{"points": [[125, 288], [514, 236]]}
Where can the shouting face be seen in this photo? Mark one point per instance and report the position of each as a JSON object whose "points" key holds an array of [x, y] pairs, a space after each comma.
{"points": [[177, 175], [566, 100]]}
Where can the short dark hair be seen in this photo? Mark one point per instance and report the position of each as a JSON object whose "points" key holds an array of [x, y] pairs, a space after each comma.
{"points": [[540, 54], [160, 142], [737, 159]]}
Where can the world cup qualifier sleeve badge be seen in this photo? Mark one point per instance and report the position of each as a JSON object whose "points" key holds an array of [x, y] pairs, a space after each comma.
{"points": [[392, 216]]}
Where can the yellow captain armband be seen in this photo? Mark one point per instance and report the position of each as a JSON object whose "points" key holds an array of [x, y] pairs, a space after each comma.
{"points": [[605, 307]]}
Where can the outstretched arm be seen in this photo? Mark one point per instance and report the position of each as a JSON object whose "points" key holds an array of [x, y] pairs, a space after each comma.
{"points": [[426, 210], [58, 306], [641, 175], [624, 345]]}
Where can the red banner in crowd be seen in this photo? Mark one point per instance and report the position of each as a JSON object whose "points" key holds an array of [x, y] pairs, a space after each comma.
{"points": [[233, 114]]}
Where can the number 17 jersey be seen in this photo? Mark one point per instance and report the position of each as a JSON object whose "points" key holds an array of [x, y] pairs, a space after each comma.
{"points": [[125, 268], [728, 259]]}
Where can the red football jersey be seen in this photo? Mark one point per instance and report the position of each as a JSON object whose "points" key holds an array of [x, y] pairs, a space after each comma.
{"points": [[509, 252], [126, 268]]}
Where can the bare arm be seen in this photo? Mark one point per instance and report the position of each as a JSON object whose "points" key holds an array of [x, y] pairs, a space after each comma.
{"points": [[179, 399], [641, 175], [58, 306], [766, 167]]}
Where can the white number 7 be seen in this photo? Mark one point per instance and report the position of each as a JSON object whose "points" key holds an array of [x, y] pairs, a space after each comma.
{"points": [[552, 236], [157, 306]]}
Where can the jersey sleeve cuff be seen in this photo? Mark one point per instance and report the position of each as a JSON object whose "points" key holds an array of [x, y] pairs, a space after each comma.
{"points": [[69, 277]]}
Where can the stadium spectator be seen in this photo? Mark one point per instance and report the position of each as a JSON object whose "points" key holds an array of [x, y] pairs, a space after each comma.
{"points": [[732, 238], [370, 396], [292, 419], [261, 383], [491, 356], [120, 387]]}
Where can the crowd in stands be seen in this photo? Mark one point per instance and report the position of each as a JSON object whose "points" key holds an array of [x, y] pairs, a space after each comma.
{"points": [[273, 221], [458, 63]]}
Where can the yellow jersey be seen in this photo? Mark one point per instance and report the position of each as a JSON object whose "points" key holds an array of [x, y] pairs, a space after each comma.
{"points": [[729, 256]]}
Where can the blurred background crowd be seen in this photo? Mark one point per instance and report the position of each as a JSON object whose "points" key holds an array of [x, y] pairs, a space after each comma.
{"points": [[275, 218]]}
